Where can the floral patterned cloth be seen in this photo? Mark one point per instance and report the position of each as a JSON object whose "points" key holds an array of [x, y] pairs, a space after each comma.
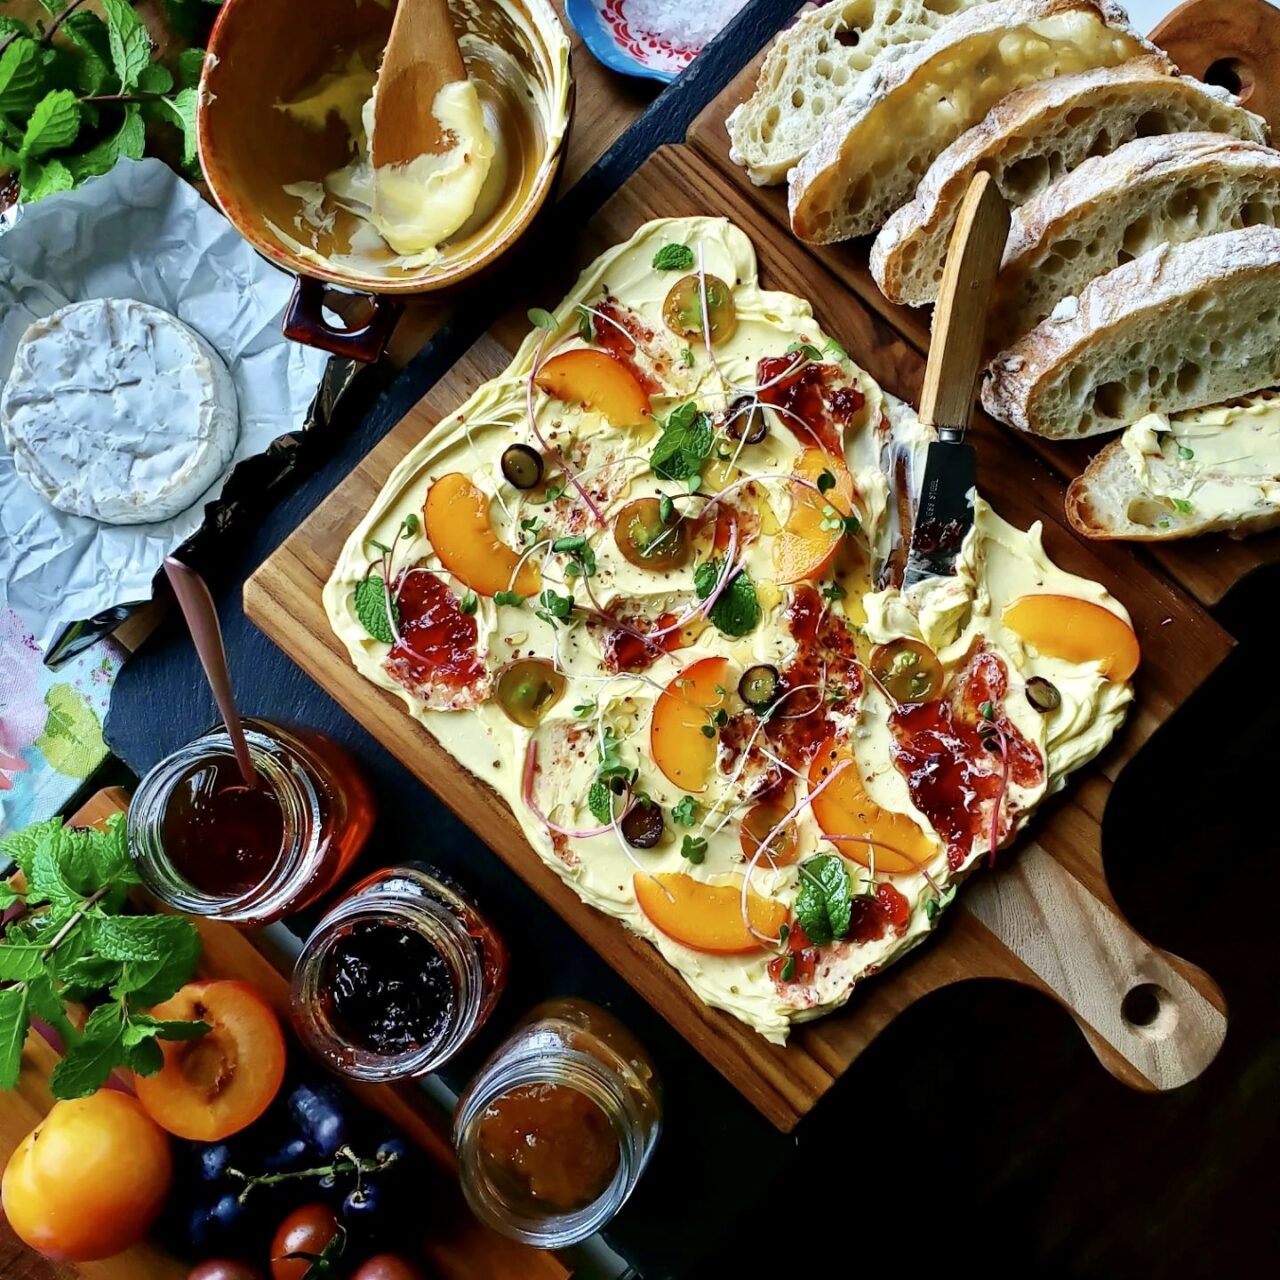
{"points": [[50, 723]]}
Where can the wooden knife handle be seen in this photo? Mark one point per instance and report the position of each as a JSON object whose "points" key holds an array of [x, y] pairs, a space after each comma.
{"points": [[960, 317], [1231, 43]]}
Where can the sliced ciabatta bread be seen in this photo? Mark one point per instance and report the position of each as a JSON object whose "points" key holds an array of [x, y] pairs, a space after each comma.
{"points": [[1030, 140], [813, 67], [879, 143], [1182, 326], [1213, 470], [1112, 209]]}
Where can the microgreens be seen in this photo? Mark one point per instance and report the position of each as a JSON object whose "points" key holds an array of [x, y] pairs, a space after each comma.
{"points": [[833, 348], [833, 591], [586, 323], [1182, 506], [686, 357], [834, 521], [469, 603], [554, 608], [694, 849], [541, 318], [685, 811], [806, 349], [512, 598], [1186, 454]]}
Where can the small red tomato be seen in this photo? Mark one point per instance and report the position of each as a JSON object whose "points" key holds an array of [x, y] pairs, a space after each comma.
{"points": [[224, 1269], [387, 1266], [306, 1230]]}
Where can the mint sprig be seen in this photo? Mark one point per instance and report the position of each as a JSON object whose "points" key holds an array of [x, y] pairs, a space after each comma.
{"points": [[684, 445], [75, 941], [824, 905], [736, 611]]}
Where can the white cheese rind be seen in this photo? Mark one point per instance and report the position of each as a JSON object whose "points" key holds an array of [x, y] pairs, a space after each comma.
{"points": [[117, 411]]}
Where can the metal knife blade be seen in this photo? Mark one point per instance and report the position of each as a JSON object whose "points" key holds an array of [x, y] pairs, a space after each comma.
{"points": [[944, 509]]}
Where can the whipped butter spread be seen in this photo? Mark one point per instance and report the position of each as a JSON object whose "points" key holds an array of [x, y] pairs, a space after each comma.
{"points": [[821, 629], [1217, 467]]}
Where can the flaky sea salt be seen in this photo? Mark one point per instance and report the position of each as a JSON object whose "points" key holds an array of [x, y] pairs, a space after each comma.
{"points": [[687, 24]]}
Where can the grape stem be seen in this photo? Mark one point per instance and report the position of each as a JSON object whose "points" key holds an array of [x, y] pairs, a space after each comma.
{"points": [[349, 1163]]}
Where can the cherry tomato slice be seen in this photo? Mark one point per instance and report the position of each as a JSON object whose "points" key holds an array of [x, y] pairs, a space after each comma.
{"points": [[909, 670], [646, 541], [682, 310]]}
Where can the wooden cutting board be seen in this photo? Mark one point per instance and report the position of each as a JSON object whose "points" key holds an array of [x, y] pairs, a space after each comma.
{"points": [[1046, 919], [456, 1244], [1236, 42]]}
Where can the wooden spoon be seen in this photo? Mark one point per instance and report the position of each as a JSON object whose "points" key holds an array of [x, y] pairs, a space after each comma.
{"points": [[202, 620], [422, 57]]}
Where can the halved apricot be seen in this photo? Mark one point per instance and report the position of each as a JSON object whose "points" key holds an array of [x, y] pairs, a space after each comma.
{"points": [[1076, 631], [682, 733], [595, 380], [844, 809], [221, 1082], [707, 917], [456, 516], [804, 549]]}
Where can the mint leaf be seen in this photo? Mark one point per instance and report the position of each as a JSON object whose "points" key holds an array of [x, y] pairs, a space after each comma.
{"points": [[44, 1002], [46, 882], [736, 611], [372, 605], [129, 42], [685, 811], [88, 34], [9, 897], [20, 961], [673, 257], [600, 802], [14, 1020], [53, 126], [155, 78], [88, 1063], [190, 68], [148, 982], [142, 1026], [181, 111], [684, 445], [144, 1058], [824, 904], [21, 77], [85, 975], [133, 939], [21, 846]]}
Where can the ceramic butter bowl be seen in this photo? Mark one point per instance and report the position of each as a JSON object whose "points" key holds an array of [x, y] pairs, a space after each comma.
{"points": [[266, 56]]}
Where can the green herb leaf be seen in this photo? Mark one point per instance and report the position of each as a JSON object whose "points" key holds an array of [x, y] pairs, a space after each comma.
{"points": [[833, 591], [44, 1002], [586, 323], [40, 178], [673, 257], [53, 125], [21, 77], [826, 481], [469, 603], [987, 710], [88, 1064], [512, 598], [131, 939], [935, 906], [129, 42], [684, 445], [737, 610], [666, 509], [584, 709], [1182, 506], [788, 969], [142, 1026], [88, 34], [541, 318], [129, 140], [190, 68], [685, 811], [686, 357], [14, 1021], [144, 1058], [806, 349], [47, 883], [824, 904], [833, 348], [21, 846], [20, 961], [181, 111], [554, 607], [375, 608], [694, 849], [9, 896], [1186, 454], [600, 802]]}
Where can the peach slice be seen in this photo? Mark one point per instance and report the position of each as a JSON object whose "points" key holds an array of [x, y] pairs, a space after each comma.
{"points": [[1076, 631], [597, 381], [707, 917], [457, 521], [681, 748], [804, 549], [845, 809]]}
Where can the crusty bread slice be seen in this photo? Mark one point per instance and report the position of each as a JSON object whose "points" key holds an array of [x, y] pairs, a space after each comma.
{"points": [[813, 67], [1031, 139], [879, 143], [1115, 208], [1182, 326], [1153, 484]]}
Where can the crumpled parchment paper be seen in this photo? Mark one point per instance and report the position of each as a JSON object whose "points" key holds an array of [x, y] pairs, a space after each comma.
{"points": [[139, 232]]}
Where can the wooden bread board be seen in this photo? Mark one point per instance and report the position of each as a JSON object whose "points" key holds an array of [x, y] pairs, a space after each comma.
{"points": [[455, 1244], [1233, 37], [1046, 919]]}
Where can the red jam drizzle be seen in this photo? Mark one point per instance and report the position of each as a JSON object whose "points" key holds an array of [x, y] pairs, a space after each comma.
{"points": [[799, 963], [953, 777], [813, 395], [438, 641], [624, 651], [871, 916], [618, 346]]}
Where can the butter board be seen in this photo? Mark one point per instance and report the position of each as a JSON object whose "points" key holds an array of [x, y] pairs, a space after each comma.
{"points": [[455, 1244], [1202, 34], [1045, 918]]}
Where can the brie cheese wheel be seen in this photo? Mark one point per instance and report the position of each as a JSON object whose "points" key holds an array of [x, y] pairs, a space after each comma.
{"points": [[117, 411]]}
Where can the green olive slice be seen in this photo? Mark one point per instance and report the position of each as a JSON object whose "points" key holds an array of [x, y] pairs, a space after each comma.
{"points": [[522, 466]]}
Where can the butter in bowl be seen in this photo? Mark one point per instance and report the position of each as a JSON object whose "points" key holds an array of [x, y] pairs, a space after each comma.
{"points": [[286, 112]]}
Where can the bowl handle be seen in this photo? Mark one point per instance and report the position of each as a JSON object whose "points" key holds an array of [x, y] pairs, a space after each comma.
{"points": [[304, 322]]}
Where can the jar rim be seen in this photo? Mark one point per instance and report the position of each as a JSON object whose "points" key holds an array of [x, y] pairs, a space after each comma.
{"points": [[300, 811], [442, 930]]}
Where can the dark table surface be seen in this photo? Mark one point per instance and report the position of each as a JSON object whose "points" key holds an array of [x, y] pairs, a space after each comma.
{"points": [[979, 1127]]}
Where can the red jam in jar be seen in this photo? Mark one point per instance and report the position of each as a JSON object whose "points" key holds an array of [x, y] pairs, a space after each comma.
{"points": [[398, 976], [206, 843]]}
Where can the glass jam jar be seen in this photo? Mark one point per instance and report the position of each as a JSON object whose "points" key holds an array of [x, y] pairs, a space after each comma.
{"points": [[398, 976], [556, 1129], [206, 844]]}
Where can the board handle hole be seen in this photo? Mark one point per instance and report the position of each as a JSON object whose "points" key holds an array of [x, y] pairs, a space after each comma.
{"points": [[1150, 1011], [1232, 75]]}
